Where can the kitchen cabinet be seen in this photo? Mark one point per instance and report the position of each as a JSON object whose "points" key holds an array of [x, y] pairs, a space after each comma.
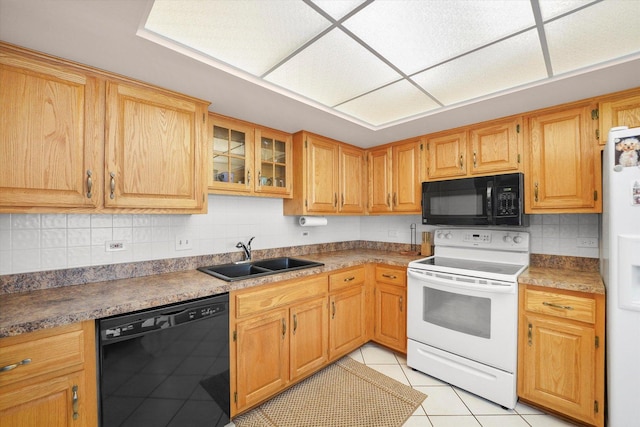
{"points": [[487, 148], [51, 148], [390, 297], [562, 169], [347, 305], [154, 149], [49, 377], [328, 177], [246, 159], [621, 109], [394, 178], [279, 335], [76, 139], [561, 352]]}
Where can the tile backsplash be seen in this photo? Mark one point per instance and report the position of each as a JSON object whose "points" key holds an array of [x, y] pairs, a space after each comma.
{"points": [[39, 242]]}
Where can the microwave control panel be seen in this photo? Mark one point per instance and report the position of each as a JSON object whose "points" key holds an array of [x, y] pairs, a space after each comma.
{"points": [[508, 201]]}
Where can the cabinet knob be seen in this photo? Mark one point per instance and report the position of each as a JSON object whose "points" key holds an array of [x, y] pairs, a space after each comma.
{"points": [[89, 184], [15, 365], [112, 184], [74, 402]]}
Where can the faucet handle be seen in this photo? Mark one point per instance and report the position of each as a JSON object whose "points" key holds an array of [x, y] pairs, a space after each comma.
{"points": [[250, 240]]}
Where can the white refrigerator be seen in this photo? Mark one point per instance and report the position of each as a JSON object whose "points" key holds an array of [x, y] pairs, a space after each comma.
{"points": [[620, 269]]}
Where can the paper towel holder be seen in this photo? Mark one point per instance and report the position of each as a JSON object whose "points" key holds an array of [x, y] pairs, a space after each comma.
{"points": [[312, 221]]}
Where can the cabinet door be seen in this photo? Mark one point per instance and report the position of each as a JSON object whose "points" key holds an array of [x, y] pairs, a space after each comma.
{"points": [[406, 177], [391, 316], [154, 149], [445, 155], [273, 162], [262, 365], [559, 366], [624, 111], [561, 175], [49, 135], [230, 150], [322, 176], [309, 337], [352, 187], [52, 403], [347, 329], [379, 178], [496, 147]]}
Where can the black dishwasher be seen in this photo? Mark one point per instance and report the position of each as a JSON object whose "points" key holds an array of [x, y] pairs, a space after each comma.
{"points": [[168, 366]]}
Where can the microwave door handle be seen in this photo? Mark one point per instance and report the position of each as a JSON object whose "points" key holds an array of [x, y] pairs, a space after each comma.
{"points": [[489, 203]]}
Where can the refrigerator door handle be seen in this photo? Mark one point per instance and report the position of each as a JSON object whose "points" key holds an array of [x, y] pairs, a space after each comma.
{"points": [[629, 272]]}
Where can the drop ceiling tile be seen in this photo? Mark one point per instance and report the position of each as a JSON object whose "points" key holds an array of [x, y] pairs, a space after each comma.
{"points": [[597, 34], [252, 35], [337, 9], [414, 35], [388, 104], [552, 8], [513, 62], [332, 70]]}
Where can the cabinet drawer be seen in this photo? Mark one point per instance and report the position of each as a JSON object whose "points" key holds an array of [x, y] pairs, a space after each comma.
{"points": [[41, 353], [266, 298], [561, 305], [392, 276], [346, 278]]}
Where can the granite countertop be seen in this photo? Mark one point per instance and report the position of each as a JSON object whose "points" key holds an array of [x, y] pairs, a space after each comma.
{"points": [[22, 312], [563, 278]]}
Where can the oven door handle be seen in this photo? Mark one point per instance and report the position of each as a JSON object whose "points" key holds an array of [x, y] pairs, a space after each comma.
{"points": [[444, 283]]}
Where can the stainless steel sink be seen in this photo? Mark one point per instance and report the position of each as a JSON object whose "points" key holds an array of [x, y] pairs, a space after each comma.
{"points": [[241, 271]]}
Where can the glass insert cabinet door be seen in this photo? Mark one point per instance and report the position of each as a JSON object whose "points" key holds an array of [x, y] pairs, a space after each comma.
{"points": [[231, 148], [273, 160]]}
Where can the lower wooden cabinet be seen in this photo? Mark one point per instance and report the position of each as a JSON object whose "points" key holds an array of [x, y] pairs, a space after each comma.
{"points": [[53, 382], [561, 352], [390, 298], [347, 304], [279, 335]]}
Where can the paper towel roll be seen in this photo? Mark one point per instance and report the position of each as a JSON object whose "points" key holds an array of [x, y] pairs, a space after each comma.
{"points": [[312, 221]]}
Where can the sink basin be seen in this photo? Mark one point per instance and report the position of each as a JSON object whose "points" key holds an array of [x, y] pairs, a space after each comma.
{"points": [[285, 263], [241, 271]]}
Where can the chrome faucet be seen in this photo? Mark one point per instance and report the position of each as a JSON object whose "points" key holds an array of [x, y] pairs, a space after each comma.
{"points": [[246, 248]]}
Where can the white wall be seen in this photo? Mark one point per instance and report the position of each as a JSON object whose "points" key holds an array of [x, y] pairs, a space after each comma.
{"points": [[38, 242]]}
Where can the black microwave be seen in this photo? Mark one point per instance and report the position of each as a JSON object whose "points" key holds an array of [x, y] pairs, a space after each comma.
{"points": [[483, 200]]}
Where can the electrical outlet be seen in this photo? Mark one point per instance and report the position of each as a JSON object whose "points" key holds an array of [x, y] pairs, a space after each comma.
{"points": [[114, 246], [587, 242], [184, 243]]}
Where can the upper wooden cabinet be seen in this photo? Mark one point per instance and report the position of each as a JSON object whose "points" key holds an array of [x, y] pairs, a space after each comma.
{"points": [[394, 178], [562, 169], [76, 139], [154, 149], [328, 177], [622, 109], [487, 148], [50, 144], [246, 159], [495, 146]]}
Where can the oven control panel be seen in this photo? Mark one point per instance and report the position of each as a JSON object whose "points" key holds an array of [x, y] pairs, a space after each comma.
{"points": [[483, 238]]}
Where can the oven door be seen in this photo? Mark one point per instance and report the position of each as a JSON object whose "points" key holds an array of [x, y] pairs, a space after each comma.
{"points": [[475, 319]]}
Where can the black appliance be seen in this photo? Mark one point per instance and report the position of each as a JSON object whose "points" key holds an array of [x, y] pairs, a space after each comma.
{"points": [[483, 200], [167, 366]]}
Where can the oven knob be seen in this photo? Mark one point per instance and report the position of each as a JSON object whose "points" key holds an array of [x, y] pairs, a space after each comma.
{"points": [[448, 236], [507, 238], [440, 235], [517, 239]]}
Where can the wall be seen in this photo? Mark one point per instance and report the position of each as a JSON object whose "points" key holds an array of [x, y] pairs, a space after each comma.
{"points": [[39, 242]]}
